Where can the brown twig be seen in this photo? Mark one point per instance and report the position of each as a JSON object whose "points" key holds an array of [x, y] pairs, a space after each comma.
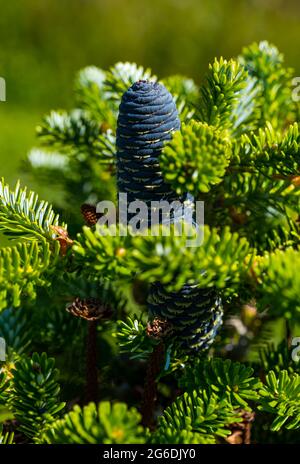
{"points": [[92, 310], [91, 393], [288, 333], [150, 389], [160, 330]]}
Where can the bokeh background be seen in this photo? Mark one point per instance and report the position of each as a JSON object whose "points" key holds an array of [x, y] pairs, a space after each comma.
{"points": [[44, 43]]}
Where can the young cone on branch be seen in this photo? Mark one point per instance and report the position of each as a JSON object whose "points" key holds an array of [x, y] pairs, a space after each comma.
{"points": [[147, 118]]}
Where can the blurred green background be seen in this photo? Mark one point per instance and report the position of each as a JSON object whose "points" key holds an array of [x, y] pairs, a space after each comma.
{"points": [[44, 42]]}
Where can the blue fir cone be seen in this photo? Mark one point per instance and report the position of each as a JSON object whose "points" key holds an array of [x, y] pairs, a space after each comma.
{"points": [[147, 118], [195, 313]]}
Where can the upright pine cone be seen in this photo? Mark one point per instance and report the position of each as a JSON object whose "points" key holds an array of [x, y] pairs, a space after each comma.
{"points": [[147, 118]]}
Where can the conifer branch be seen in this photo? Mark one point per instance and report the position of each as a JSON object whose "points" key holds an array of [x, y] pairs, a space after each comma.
{"points": [[220, 94], [23, 268], [165, 258], [22, 214]]}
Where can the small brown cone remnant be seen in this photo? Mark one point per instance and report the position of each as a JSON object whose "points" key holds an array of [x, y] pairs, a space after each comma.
{"points": [[158, 329], [90, 214], [63, 238], [241, 431], [92, 310]]}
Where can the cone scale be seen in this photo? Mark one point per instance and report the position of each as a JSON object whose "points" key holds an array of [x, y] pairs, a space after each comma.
{"points": [[147, 118]]}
